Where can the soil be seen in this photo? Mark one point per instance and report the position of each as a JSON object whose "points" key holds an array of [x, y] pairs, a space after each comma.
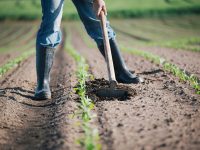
{"points": [[16, 50], [186, 60], [22, 31], [5, 57], [7, 34], [12, 54], [163, 115], [97, 85], [30, 124]]}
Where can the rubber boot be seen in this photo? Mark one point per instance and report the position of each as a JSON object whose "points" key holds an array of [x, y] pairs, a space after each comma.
{"points": [[44, 62], [123, 75]]}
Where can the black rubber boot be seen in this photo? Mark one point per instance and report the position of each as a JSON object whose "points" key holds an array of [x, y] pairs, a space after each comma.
{"points": [[123, 75], [44, 62]]}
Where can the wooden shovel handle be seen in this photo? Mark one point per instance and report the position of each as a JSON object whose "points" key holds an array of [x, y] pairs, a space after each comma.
{"points": [[108, 55]]}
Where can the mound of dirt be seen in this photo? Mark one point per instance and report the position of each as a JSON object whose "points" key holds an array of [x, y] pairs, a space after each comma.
{"points": [[93, 86]]}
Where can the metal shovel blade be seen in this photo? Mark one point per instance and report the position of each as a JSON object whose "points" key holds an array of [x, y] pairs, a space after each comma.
{"points": [[109, 93]]}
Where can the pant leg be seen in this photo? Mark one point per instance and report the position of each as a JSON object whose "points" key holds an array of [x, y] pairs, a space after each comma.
{"points": [[90, 21], [49, 34]]}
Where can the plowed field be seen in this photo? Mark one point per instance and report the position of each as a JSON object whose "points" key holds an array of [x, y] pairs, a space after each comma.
{"points": [[163, 113]]}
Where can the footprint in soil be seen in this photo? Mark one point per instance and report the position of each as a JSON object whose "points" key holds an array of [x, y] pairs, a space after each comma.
{"points": [[23, 96], [93, 86], [18, 91]]}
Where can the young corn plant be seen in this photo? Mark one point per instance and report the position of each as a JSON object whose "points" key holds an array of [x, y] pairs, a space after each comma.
{"points": [[90, 141], [167, 66]]}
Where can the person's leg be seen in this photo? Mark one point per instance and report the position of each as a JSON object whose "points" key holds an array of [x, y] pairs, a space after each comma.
{"points": [[93, 28], [48, 37]]}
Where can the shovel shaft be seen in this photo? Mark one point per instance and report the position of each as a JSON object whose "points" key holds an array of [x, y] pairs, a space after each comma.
{"points": [[108, 55]]}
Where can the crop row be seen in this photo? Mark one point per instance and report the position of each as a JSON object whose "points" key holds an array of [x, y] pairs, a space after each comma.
{"points": [[167, 66], [13, 36], [90, 141], [15, 62], [25, 37], [6, 30], [24, 42], [22, 49], [191, 44], [91, 137]]}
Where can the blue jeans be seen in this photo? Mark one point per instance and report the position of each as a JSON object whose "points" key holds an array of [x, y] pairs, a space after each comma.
{"points": [[49, 34]]}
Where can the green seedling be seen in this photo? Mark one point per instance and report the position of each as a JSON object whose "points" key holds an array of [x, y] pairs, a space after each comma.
{"points": [[167, 66], [15, 62], [90, 141]]}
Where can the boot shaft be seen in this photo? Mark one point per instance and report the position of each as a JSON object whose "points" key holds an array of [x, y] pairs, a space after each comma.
{"points": [[118, 61], [44, 62]]}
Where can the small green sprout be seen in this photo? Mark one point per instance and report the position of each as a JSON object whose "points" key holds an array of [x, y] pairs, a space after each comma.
{"points": [[90, 141]]}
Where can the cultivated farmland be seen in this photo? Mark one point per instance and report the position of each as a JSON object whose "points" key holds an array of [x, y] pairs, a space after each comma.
{"points": [[161, 113]]}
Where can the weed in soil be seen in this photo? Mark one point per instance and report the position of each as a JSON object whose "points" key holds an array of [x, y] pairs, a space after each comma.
{"points": [[94, 85]]}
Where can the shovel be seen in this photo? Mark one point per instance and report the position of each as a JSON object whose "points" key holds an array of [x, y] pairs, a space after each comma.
{"points": [[112, 90]]}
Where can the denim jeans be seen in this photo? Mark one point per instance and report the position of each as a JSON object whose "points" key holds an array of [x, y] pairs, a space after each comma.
{"points": [[49, 34]]}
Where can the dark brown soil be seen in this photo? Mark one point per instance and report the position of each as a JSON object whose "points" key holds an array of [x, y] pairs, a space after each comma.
{"points": [[101, 84], [163, 115], [29, 124]]}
